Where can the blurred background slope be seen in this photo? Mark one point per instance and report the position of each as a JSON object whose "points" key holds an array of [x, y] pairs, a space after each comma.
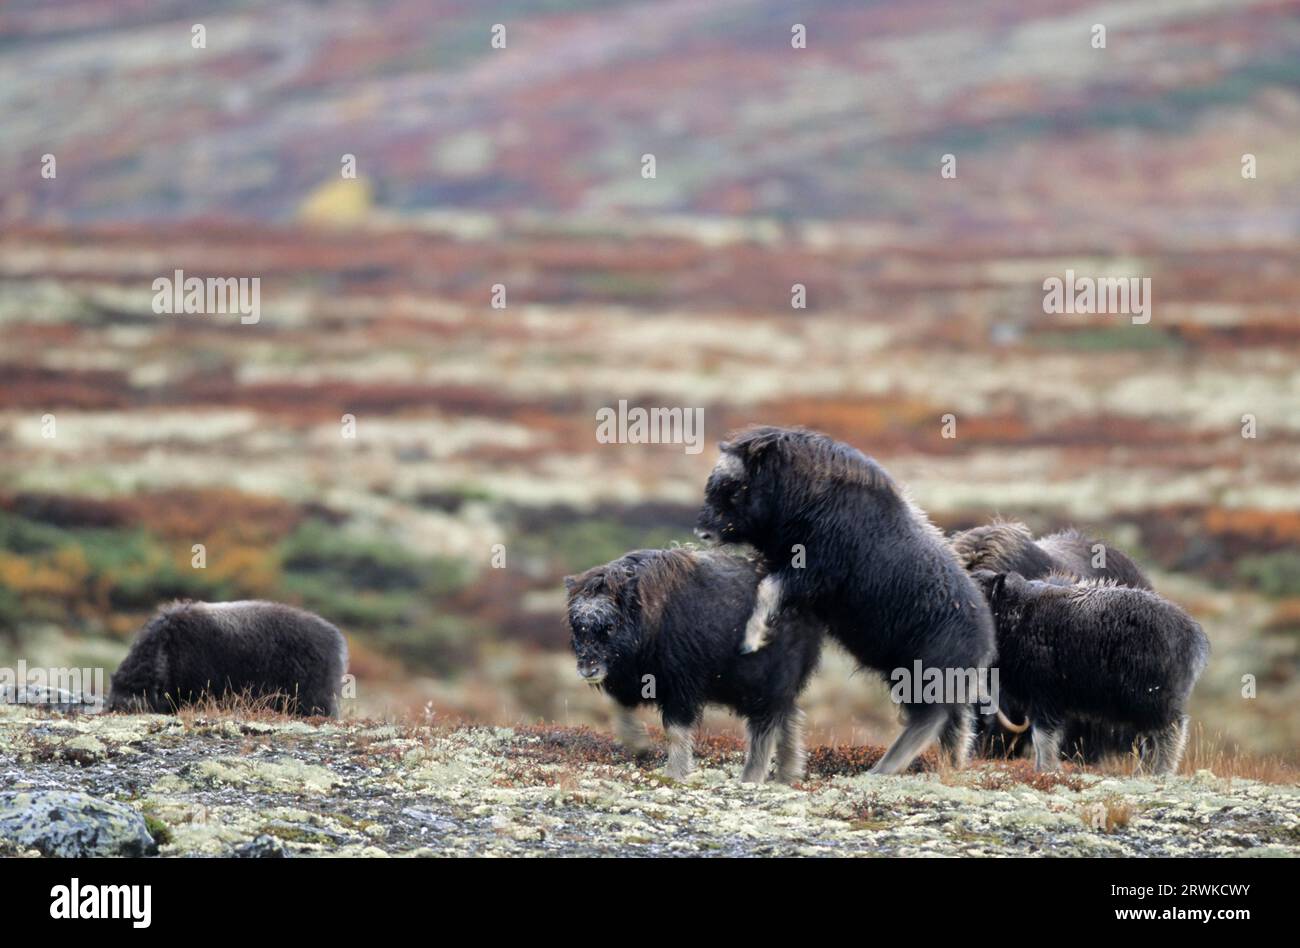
{"points": [[522, 166]]}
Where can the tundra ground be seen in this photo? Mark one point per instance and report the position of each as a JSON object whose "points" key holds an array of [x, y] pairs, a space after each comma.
{"points": [[222, 785]]}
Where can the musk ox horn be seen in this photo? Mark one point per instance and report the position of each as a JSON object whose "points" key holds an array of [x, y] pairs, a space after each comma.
{"points": [[1013, 728]]}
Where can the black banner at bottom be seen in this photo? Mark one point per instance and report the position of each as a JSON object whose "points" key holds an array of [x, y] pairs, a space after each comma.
{"points": [[332, 897]]}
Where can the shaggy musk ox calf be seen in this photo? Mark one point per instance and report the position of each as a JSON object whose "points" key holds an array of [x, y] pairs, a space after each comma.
{"points": [[664, 627], [1008, 546], [845, 547], [1096, 651], [193, 650]]}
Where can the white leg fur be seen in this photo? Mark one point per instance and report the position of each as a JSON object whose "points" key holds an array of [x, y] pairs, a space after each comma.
{"points": [[1047, 748], [759, 759], [791, 758], [759, 626], [631, 732], [681, 751]]}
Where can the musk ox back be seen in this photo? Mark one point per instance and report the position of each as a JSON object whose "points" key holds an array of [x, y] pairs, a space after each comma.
{"points": [[844, 546], [190, 651], [664, 627], [1088, 650], [1009, 547]]}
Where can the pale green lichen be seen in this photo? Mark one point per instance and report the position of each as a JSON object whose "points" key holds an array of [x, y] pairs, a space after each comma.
{"points": [[283, 774]]}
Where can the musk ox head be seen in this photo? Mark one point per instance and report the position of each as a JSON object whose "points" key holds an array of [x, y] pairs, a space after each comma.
{"points": [[613, 609], [737, 497], [766, 476], [600, 625], [998, 588], [136, 686]]}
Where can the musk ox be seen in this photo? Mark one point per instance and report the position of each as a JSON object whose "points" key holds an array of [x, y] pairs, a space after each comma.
{"points": [[1008, 546], [1094, 650], [262, 650], [664, 627], [844, 546]]}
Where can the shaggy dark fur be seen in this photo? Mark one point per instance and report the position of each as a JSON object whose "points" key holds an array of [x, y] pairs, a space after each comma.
{"points": [[1097, 651], [1008, 546], [193, 650], [879, 576], [678, 616]]}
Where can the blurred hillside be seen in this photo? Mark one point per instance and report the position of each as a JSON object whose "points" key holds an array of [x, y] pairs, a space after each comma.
{"points": [[1058, 143], [476, 426]]}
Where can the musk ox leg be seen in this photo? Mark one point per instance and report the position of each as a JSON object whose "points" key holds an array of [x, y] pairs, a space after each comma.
{"points": [[631, 732], [763, 734], [958, 736], [923, 725], [759, 626], [681, 752], [1047, 747], [1169, 746], [791, 758]]}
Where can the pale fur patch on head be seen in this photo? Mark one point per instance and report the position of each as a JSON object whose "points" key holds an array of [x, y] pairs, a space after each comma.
{"points": [[659, 574], [593, 608], [729, 466]]}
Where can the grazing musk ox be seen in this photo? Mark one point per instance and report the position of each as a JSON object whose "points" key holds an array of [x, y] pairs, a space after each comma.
{"points": [[1094, 650], [844, 546], [664, 627], [194, 650], [1008, 546]]}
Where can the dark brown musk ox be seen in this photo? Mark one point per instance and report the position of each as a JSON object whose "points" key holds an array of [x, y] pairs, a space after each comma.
{"points": [[1008, 546], [664, 627], [263, 651], [845, 547], [1092, 650]]}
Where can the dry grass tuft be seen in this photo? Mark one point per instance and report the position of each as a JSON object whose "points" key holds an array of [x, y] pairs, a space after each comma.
{"points": [[242, 705], [1217, 755], [1008, 775]]}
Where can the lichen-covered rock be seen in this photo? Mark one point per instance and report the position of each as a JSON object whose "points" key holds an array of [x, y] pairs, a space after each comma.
{"points": [[261, 847], [50, 699], [62, 823]]}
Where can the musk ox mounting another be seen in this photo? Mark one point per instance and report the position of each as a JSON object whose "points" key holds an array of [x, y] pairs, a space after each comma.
{"points": [[1008, 546], [1093, 650], [844, 547], [190, 651], [664, 627]]}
